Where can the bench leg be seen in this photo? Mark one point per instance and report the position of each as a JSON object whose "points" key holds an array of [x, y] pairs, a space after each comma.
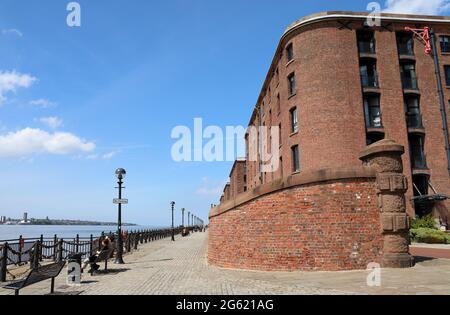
{"points": [[52, 288], [106, 265], [16, 292]]}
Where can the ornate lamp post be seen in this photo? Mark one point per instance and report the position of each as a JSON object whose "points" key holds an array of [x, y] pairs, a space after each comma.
{"points": [[120, 173], [173, 231]]}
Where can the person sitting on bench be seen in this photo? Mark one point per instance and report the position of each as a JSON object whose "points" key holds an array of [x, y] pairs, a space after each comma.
{"points": [[106, 245]]}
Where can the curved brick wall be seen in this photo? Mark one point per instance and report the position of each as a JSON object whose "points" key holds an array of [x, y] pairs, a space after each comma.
{"points": [[325, 220]]}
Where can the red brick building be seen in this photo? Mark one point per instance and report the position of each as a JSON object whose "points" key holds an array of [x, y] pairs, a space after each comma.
{"points": [[336, 85]]}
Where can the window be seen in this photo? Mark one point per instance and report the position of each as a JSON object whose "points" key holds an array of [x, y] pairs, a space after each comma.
{"points": [[408, 74], [270, 118], [374, 137], [294, 120], [405, 44], [372, 111], [290, 52], [368, 71], [366, 42], [278, 103], [413, 116], [292, 87], [447, 75], [416, 148], [281, 167], [295, 159], [445, 44], [279, 134]]}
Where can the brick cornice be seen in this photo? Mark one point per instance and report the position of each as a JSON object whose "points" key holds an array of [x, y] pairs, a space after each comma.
{"points": [[304, 178]]}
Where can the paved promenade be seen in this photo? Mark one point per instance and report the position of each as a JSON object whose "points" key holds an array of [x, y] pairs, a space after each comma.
{"points": [[164, 267]]}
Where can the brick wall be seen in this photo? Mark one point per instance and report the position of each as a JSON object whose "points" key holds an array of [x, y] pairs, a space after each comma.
{"points": [[326, 225], [329, 100], [238, 176]]}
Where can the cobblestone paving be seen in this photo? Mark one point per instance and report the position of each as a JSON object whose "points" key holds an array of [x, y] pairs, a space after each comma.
{"points": [[164, 267]]}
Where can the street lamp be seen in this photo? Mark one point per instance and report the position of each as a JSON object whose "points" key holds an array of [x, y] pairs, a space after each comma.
{"points": [[182, 217], [120, 173], [189, 217], [173, 231]]}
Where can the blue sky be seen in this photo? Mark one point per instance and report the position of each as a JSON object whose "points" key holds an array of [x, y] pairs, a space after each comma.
{"points": [[76, 103]]}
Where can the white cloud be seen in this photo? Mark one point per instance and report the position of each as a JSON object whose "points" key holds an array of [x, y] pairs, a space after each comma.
{"points": [[44, 103], [11, 80], [12, 31], [426, 7], [30, 141], [110, 155], [210, 192], [92, 157], [52, 122], [210, 188]]}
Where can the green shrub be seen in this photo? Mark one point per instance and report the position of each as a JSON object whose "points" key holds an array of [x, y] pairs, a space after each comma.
{"points": [[427, 222], [429, 236]]}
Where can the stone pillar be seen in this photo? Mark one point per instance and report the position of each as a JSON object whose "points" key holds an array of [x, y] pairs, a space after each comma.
{"points": [[386, 158]]}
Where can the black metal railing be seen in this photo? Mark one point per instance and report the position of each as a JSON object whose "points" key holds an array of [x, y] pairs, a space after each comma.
{"points": [[414, 120], [419, 161], [369, 81], [374, 121], [31, 251], [366, 47], [410, 83]]}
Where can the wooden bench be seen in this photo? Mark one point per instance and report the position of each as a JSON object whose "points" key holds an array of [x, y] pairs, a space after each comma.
{"points": [[42, 273], [103, 256]]}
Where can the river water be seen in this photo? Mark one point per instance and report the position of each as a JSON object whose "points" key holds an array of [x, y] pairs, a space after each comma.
{"points": [[8, 232]]}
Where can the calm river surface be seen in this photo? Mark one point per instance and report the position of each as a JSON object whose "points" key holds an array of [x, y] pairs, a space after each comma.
{"points": [[8, 232]]}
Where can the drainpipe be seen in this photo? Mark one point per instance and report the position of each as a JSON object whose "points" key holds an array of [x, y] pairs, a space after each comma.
{"points": [[441, 97], [260, 143]]}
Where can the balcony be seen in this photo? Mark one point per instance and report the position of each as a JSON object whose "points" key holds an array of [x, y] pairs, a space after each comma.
{"points": [[418, 156], [366, 47], [374, 122], [369, 81], [419, 161], [366, 42], [405, 44], [414, 121], [410, 83]]}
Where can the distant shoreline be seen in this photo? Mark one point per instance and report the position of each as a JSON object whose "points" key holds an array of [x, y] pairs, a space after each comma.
{"points": [[40, 222]]}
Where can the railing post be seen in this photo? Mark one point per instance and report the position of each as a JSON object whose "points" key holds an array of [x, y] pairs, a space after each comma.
{"points": [[36, 256], [77, 244], [19, 259], [91, 245], [40, 247], [55, 245], [60, 250], [4, 263]]}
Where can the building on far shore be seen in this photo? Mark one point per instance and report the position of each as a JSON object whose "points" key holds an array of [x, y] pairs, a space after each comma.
{"points": [[336, 85], [2, 219], [25, 220]]}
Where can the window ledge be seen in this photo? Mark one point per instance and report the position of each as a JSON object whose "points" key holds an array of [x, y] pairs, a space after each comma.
{"points": [[445, 53], [290, 62], [293, 133], [292, 95], [296, 172]]}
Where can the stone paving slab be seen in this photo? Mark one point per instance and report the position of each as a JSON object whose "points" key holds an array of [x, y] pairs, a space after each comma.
{"points": [[164, 267]]}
